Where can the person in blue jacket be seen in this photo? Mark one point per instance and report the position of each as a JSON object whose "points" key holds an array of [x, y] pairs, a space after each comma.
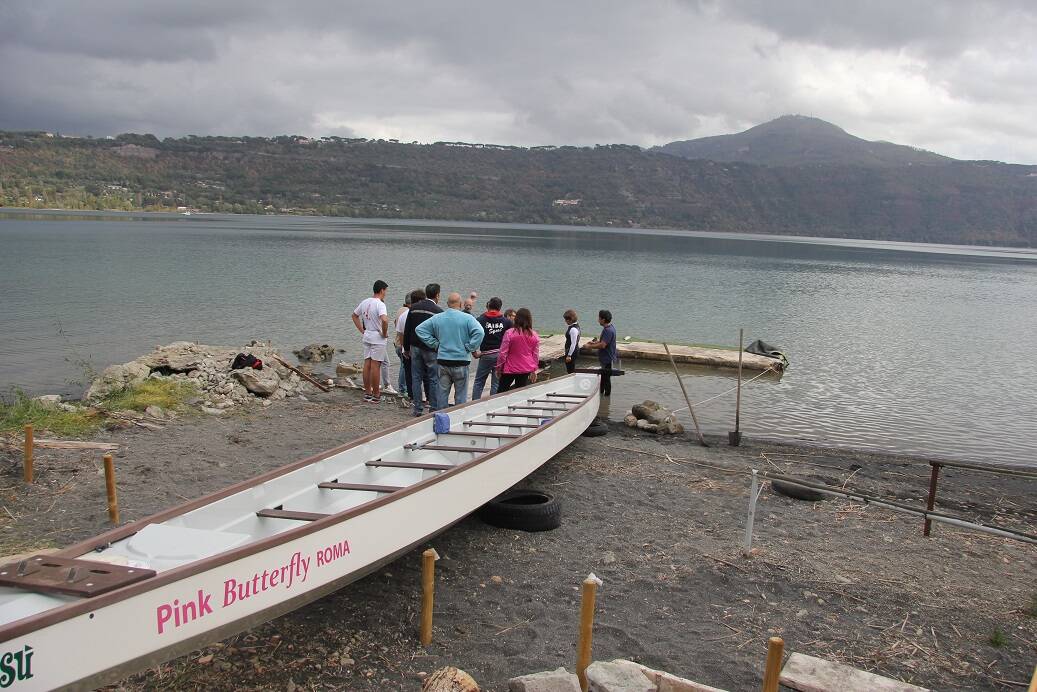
{"points": [[455, 335]]}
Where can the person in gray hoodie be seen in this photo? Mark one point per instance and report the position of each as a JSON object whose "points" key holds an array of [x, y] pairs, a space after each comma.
{"points": [[455, 335]]}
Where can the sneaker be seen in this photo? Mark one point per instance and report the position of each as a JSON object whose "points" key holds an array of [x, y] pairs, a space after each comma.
{"points": [[375, 400], [367, 397]]}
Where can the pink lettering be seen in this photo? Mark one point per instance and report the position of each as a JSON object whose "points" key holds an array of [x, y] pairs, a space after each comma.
{"points": [[164, 612], [230, 593]]}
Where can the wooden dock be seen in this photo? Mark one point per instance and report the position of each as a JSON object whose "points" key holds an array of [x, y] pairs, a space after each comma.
{"points": [[552, 347]]}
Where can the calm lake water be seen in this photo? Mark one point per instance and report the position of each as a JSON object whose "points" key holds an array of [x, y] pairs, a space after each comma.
{"points": [[894, 346]]}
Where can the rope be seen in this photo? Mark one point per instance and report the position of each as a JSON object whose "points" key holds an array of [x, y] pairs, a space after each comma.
{"points": [[706, 401]]}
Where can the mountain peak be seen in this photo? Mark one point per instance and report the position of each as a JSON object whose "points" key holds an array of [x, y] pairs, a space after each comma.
{"points": [[793, 140]]}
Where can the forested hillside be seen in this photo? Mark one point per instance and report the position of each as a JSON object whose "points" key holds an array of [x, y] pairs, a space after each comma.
{"points": [[943, 201]]}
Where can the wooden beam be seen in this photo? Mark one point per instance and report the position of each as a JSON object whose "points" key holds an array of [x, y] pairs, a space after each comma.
{"points": [[289, 514], [335, 485], [411, 465]]}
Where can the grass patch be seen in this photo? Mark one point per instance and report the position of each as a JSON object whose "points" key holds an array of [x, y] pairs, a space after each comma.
{"points": [[168, 394], [15, 416], [998, 639]]}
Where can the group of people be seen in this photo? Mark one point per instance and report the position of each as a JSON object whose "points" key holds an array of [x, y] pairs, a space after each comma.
{"points": [[435, 346]]}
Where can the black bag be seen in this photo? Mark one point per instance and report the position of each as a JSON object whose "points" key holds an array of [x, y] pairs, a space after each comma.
{"points": [[246, 360]]}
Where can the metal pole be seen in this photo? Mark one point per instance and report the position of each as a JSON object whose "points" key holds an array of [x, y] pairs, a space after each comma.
{"points": [[735, 438], [932, 497], [754, 495], [694, 418], [583, 651]]}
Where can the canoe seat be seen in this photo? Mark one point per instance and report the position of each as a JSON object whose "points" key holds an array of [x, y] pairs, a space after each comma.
{"points": [[411, 465], [278, 513], [502, 425], [445, 448], [483, 434], [335, 485]]}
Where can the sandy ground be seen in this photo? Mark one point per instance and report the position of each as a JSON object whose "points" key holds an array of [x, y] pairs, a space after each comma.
{"points": [[838, 580]]}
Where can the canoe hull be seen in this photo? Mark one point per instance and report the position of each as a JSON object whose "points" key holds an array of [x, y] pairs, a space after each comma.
{"points": [[155, 624]]}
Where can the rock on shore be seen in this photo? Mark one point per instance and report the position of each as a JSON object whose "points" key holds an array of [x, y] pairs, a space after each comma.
{"points": [[209, 368]]}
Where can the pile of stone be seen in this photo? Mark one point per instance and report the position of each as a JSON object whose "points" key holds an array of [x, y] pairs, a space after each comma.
{"points": [[315, 353], [651, 417], [209, 368]]}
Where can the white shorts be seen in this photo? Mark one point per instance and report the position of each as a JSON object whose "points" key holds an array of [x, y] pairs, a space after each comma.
{"points": [[374, 352]]}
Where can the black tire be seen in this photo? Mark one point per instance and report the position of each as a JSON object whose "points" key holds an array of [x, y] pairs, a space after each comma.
{"points": [[797, 492], [596, 429], [523, 509]]}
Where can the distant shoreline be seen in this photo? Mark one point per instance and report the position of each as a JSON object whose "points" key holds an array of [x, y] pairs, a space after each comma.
{"points": [[1004, 252]]}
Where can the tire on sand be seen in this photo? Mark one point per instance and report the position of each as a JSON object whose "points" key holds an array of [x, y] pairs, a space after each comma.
{"points": [[523, 509], [797, 492]]}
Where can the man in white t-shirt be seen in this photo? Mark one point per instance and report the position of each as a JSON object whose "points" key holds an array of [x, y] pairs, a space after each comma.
{"points": [[372, 319]]}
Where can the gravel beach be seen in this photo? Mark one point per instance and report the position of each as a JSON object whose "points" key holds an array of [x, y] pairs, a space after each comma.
{"points": [[660, 520]]}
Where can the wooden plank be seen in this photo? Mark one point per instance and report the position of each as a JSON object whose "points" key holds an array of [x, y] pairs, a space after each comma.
{"points": [[74, 577], [512, 415], [501, 425], [335, 485], [569, 396], [300, 373], [411, 465], [290, 514], [74, 444], [483, 434], [810, 674], [551, 349], [536, 408], [552, 401]]}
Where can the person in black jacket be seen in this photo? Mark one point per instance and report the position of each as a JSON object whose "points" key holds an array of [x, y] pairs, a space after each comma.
{"points": [[494, 324], [572, 340], [423, 366]]}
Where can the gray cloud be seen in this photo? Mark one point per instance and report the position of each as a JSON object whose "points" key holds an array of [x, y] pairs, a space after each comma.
{"points": [[955, 77]]}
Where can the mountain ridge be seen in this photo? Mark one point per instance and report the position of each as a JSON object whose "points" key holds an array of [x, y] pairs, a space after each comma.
{"points": [[795, 140]]}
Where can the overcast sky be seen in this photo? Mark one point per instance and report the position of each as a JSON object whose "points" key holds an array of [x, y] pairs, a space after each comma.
{"points": [[955, 77]]}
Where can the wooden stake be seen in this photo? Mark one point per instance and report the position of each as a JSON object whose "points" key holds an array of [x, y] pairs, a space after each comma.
{"points": [[583, 650], [1033, 682], [698, 430], [775, 650], [28, 453], [428, 588], [109, 482]]}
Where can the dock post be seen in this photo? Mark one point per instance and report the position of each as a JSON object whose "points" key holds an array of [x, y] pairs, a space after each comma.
{"points": [[754, 495], [931, 503], [583, 651], [28, 453], [687, 400], [428, 589], [775, 650], [735, 438], [109, 482]]}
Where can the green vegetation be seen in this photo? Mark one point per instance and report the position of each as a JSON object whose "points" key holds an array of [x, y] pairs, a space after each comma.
{"points": [[15, 416], [84, 421], [168, 394], [998, 639], [615, 185]]}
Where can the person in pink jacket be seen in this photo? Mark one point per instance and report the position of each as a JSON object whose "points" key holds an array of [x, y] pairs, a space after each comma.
{"points": [[519, 353]]}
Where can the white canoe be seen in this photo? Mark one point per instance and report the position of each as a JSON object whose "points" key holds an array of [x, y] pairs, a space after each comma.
{"points": [[220, 564]]}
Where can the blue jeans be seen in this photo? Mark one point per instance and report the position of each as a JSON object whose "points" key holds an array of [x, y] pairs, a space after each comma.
{"points": [[424, 376], [455, 376], [403, 381], [487, 367]]}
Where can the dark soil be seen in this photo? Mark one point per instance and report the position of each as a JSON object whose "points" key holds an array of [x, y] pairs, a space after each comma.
{"points": [[839, 580]]}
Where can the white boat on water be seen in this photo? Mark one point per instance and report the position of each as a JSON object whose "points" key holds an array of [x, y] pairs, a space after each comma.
{"points": [[160, 587]]}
